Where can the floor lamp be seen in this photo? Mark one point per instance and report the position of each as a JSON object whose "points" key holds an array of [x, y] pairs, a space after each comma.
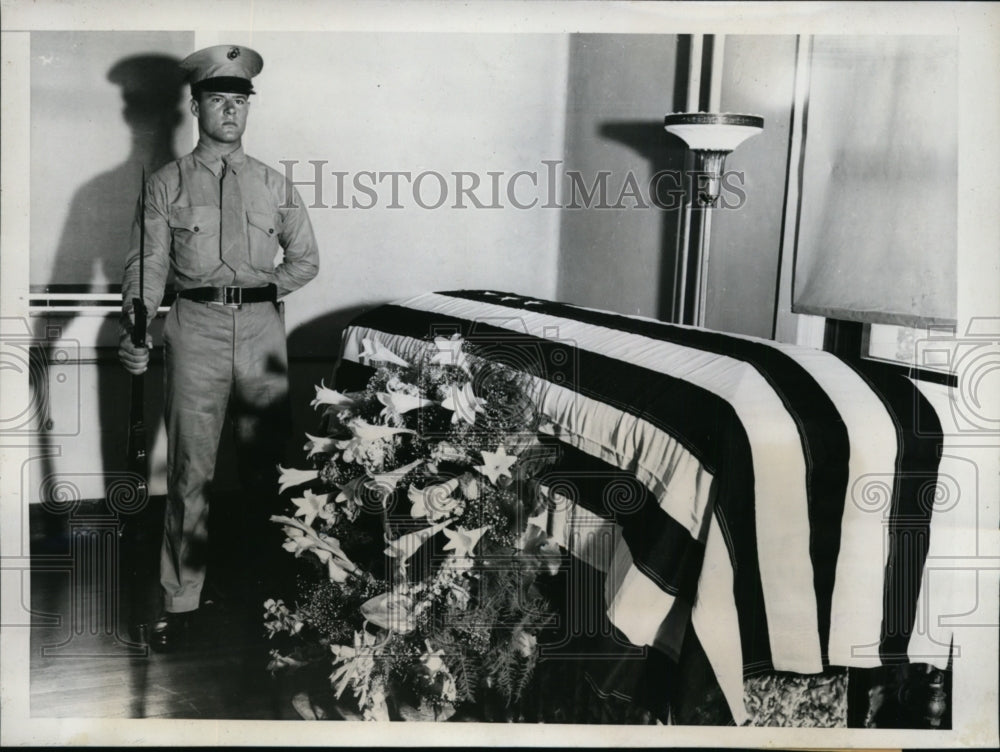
{"points": [[710, 137]]}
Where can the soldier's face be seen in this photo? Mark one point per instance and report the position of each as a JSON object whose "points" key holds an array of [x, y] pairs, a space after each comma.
{"points": [[222, 116]]}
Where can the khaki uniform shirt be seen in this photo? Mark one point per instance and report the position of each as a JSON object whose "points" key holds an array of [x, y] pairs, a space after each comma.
{"points": [[182, 230]]}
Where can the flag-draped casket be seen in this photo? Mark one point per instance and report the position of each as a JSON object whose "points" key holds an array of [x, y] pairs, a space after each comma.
{"points": [[777, 500]]}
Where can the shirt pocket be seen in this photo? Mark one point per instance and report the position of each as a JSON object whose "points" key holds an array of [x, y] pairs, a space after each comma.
{"points": [[195, 239], [264, 228]]}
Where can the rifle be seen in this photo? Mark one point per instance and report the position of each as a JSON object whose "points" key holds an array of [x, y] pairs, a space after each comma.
{"points": [[133, 538], [137, 461]]}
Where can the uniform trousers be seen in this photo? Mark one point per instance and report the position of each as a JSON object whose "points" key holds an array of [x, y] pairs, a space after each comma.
{"points": [[218, 359]]}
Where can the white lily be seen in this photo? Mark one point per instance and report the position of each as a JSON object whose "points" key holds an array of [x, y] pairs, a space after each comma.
{"points": [[365, 431], [434, 502], [496, 464], [290, 477], [334, 570], [309, 539], [354, 663], [464, 403], [392, 611], [386, 482], [319, 445], [401, 402], [350, 492], [470, 486], [376, 351], [433, 660], [327, 396], [406, 545], [312, 506], [462, 541], [296, 543], [450, 352]]}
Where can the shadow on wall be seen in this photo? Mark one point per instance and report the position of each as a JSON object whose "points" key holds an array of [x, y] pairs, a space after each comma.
{"points": [[101, 214], [620, 253], [97, 230], [320, 338], [666, 156]]}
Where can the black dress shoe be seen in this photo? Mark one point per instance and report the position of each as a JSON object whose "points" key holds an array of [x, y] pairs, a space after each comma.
{"points": [[170, 632]]}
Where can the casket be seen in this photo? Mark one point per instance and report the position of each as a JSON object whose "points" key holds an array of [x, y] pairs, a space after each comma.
{"points": [[779, 503]]}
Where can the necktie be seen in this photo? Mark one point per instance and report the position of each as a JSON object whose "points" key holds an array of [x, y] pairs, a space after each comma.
{"points": [[233, 231]]}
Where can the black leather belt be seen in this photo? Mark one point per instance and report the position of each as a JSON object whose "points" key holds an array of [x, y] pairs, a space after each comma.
{"points": [[231, 296]]}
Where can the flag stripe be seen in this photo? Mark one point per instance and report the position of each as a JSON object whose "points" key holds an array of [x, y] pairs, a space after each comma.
{"points": [[921, 440], [856, 606], [716, 621], [661, 547]]}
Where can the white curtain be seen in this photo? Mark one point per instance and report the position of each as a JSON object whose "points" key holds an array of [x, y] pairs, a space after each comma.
{"points": [[878, 218]]}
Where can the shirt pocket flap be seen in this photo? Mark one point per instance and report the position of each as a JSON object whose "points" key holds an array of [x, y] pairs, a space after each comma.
{"points": [[201, 220], [266, 222]]}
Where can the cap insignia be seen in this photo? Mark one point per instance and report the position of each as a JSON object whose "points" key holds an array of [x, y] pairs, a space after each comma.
{"points": [[234, 52]]}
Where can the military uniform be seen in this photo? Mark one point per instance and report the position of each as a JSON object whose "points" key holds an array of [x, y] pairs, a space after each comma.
{"points": [[237, 237]]}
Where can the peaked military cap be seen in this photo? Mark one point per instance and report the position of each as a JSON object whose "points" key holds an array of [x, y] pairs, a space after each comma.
{"points": [[224, 67]]}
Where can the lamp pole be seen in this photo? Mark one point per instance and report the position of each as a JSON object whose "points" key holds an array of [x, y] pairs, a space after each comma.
{"points": [[710, 136]]}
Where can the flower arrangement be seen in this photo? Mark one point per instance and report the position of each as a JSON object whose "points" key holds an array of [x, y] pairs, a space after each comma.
{"points": [[423, 519]]}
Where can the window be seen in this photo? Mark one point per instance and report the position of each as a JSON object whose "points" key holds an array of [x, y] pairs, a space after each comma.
{"points": [[925, 354]]}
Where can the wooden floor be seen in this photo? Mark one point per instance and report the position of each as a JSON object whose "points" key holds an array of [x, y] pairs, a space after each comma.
{"points": [[87, 580]]}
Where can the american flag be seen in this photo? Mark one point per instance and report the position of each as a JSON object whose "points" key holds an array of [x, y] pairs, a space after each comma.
{"points": [[789, 501]]}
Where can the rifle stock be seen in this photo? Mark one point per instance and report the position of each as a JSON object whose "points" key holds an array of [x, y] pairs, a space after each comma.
{"points": [[137, 462]]}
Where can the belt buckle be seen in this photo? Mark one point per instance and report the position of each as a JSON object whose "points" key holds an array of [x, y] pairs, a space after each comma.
{"points": [[232, 296]]}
